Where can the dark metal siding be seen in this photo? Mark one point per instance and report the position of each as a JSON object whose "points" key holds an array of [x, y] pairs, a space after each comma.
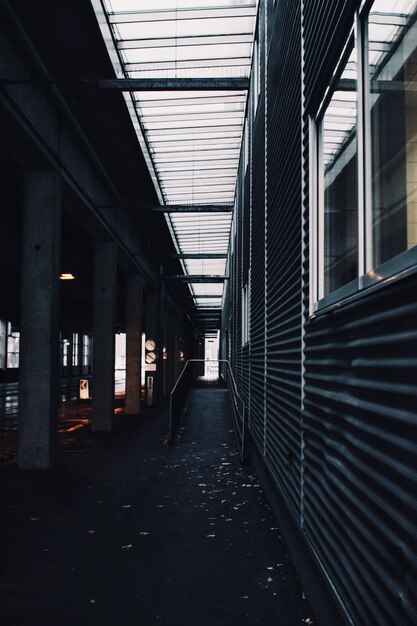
{"points": [[237, 318], [326, 26], [245, 244], [343, 447], [256, 414], [360, 404], [360, 504], [284, 319]]}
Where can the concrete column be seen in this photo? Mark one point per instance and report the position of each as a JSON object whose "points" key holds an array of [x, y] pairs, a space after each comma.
{"points": [[163, 314], [39, 323], [134, 308], [177, 348], [152, 329], [104, 321], [70, 351], [164, 349], [171, 342], [3, 348], [80, 353]]}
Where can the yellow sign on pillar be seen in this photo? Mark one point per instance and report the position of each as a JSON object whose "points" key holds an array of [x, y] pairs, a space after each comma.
{"points": [[84, 389]]}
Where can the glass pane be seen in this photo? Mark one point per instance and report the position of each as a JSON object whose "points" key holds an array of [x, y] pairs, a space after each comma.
{"points": [[339, 154], [393, 118]]}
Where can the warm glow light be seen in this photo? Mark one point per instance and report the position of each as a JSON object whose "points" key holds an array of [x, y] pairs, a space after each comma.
{"points": [[66, 277]]}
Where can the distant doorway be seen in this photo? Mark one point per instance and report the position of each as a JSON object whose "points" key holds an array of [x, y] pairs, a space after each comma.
{"points": [[211, 356]]}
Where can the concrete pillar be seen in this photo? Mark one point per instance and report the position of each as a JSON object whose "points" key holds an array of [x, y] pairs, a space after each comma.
{"points": [[70, 351], [134, 306], [163, 316], [152, 329], [171, 342], [164, 348], [80, 354], [177, 349], [3, 348], [104, 322], [39, 323]]}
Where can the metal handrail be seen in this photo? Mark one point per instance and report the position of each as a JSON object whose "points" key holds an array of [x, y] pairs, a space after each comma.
{"points": [[179, 396]]}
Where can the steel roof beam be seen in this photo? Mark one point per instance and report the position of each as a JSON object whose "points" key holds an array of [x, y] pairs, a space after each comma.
{"points": [[199, 255], [184, 40], [203, 296], [175, 84], [198, 278], [196, 208]]}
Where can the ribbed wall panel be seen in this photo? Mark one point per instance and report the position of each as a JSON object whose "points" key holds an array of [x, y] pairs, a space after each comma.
{"points": [[326, 26], [361, 453], [340, 393], [284, 321], [237, 318], [245, 245], [258, 285], [360, 423]]}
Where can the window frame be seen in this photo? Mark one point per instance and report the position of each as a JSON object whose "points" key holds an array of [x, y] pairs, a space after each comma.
{"points": [[256, 70], [369, 277], [245, 315]]}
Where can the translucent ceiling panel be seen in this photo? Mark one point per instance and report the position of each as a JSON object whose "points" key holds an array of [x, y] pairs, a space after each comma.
{"points": [[193, 137], [207, 289]]}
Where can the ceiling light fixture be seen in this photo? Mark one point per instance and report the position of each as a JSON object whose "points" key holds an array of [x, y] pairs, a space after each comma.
{"points": [[67, 277]]}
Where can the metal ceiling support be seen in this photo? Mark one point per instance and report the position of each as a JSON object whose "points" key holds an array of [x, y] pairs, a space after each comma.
{"points": [[199, 278], [203, 296], [142, 84], [199, 255], [194, 208], [180, 14], [184, 41], [175, 84]]}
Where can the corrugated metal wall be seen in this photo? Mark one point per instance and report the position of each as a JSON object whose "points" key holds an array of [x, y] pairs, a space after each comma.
{"points": [[333, 400], [284, 319], [257, 306], [360, 474], [325, 28]]}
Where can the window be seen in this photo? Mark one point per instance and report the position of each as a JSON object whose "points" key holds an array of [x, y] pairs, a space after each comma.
{"points": [[245, 315], [87, 350], [13, 346], [65, 351], [364, 165], [391, 62], [338, 227], [75, 349], [245, 147], [256, 72]]}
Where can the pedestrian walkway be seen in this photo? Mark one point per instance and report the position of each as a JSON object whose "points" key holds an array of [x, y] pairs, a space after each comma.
{"points": [[129, 532]]}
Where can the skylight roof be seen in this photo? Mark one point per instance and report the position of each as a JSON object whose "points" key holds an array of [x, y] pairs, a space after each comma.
{"points": [[193, 138]]}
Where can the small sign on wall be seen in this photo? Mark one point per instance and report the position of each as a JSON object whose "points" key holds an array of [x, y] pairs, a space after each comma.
{"points": [[84, 389]]}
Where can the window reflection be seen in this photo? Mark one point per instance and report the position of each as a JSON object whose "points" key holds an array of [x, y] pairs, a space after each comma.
{"points": [[339, 154], [13, 346], [392, 59]]}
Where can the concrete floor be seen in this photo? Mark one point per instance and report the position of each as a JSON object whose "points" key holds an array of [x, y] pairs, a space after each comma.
{"points": [[129, 532]]}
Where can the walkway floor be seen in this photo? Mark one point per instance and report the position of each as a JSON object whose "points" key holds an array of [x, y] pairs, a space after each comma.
{"points": [[129, 532]]}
